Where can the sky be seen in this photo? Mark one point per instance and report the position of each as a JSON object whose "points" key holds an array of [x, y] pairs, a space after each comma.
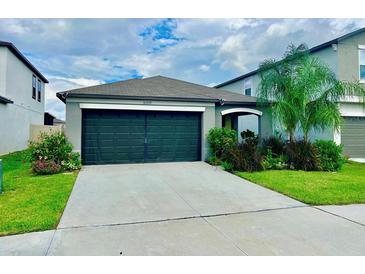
{"points": [[73, 53]]}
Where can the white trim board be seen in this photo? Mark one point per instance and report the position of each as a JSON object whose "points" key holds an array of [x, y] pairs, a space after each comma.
{"points": [[247, 110], [141, 107]]}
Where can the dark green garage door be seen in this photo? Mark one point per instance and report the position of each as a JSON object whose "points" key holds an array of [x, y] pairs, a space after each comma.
{"points": [[114, 136], [353, 137]]}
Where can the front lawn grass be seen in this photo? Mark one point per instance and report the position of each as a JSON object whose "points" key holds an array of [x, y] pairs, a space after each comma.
{"points": [[30, 202], [315, 188]]}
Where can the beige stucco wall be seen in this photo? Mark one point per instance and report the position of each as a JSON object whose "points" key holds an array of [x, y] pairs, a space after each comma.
{"points": [[329, 56], [37, 130], [238, 86], [348, 57]]}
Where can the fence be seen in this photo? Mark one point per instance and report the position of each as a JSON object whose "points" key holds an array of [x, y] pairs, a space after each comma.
{"points": [[36, 130]]}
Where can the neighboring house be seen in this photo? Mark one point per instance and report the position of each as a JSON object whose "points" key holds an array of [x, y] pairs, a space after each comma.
{"points": [[156, 119], [21, 98], [346, 57], [50, 120]]}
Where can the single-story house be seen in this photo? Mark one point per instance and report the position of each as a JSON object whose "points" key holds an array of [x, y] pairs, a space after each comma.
{"points": [[51, 120], [156, 119]]}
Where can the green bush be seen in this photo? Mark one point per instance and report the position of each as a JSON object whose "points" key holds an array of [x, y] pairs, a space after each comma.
{"points": [[302, 155], [73, 163], [274, 162], [220, 140], [53, 148], [227, 166], [250, 137], [330, 155], [214, 161]]}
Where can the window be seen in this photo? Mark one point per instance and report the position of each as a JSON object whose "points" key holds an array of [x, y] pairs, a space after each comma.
{"points": [[362, 64], [39, 90], [248, 87], [34, 81]]}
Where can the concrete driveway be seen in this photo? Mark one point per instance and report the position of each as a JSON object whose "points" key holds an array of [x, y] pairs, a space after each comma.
{"points": [[188, 209]]}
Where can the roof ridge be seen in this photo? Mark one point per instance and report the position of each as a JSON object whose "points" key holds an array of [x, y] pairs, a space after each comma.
{"points": [[190, 83]]}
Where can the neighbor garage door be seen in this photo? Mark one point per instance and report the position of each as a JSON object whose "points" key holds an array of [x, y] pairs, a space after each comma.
{"points": [[353, 137], [114, 136]]}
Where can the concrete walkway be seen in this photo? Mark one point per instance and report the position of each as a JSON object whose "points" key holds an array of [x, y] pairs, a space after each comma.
{"points": [[189, 209]]}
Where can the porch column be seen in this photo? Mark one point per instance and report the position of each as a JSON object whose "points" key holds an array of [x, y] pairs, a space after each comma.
{"points": [[259, 125]]}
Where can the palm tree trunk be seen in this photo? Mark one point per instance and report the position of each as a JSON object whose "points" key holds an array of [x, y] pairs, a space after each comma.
{"points": [[291, 137], [305, 136]]}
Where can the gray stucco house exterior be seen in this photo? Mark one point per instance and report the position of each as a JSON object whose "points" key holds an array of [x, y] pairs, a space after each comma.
{"points": [[156, 119], [346, 57], [21, 98]]}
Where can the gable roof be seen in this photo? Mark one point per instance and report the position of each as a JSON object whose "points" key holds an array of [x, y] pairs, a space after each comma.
{"points": [[22, 58], [311, 50], [158, 88]]}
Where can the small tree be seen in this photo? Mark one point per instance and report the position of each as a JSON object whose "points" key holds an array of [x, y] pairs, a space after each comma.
{"points": [[303, 92]]}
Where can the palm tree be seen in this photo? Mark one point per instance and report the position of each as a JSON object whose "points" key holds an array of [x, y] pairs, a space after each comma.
{"points": [[303, 92]]}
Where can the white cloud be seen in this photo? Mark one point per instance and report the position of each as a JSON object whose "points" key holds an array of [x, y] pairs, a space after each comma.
{"points": [[57, 84], [81, 52], [345, 25], [238, 23], [212, 84], [204, 68], [232, 54], [148, 64]]}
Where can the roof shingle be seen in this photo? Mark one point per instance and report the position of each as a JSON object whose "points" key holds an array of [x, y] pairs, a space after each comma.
{"points": [[158, 88]]}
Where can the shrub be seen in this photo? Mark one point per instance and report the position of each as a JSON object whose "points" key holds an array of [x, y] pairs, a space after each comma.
{"points": [[220, 140], [275, 143], [245, 157], [73, 163], [302, 155], [227, 166], [330, 155], [214, 161], [54, 148], [250, 137], [44, 167], [271, 162]]}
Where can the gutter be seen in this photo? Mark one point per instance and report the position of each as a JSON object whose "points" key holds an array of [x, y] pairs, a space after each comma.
{"points": [[5, 101], [63, 95]]}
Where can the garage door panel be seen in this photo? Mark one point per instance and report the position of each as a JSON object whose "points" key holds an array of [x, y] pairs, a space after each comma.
{"points": [[173, 137], [168, 142], [179, 150], [353, 136], [113, 136]]}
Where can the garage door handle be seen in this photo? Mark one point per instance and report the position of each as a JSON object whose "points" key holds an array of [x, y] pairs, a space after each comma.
{"points": [[145, 140]]}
